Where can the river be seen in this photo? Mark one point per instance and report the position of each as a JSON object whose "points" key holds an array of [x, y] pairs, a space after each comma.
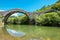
{"points": [[29, 32]]}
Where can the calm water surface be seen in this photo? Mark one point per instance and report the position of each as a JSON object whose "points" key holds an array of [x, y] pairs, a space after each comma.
{"points": [[30, 32]]}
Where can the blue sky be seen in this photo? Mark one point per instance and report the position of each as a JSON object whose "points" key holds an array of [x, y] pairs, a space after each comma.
{"points": [[27, 5]]}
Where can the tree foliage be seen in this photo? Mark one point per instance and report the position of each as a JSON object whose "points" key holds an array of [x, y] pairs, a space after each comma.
{"points": [[47, 19], [18, 20], [50, 19], [56, 6]]}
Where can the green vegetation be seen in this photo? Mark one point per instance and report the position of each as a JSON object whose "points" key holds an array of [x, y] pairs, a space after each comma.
{"points": [[18, 19], [47, 31], [47, 19], [53, 6], [1, 16], [50, 18]]}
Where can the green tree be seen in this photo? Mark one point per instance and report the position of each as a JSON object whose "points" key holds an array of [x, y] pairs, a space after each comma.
{"points": [[49, 19], [56, 6]]}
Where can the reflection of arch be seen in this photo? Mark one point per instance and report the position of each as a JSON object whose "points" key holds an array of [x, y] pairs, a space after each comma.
{"points": [[12, 12]]}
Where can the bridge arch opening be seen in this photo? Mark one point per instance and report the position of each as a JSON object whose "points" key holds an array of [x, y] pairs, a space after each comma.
{"points": [[13, 12]]}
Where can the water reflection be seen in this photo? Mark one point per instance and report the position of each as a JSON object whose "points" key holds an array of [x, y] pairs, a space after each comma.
{"points": [[23, 30], [29, 32], [15, 33]]}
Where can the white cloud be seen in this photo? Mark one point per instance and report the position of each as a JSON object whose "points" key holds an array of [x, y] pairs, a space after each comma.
{"points": [[15, 14], [2, 10]]}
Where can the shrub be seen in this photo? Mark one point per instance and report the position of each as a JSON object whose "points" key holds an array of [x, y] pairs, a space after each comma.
{"points": [[48, 19], [18, 20]]}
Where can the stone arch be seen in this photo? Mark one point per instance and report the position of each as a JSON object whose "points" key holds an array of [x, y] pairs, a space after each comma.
{"points": [[10, 12]]}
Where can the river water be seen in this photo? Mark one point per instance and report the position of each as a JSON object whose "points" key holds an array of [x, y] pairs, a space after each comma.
{"points": [[29, 32]]}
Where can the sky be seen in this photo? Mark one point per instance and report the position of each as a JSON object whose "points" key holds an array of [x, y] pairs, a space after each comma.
{"points": [[27, 5]]}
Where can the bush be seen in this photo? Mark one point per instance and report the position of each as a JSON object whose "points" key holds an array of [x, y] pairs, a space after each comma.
{"points": [[18, 20], [48, 19]]}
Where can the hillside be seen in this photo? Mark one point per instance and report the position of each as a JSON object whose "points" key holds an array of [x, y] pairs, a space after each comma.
{"points": [[50, 18], [53, 6]]}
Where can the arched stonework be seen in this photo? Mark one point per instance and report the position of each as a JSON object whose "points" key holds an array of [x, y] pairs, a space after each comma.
{"points": [[12, 12], [30, 15]]}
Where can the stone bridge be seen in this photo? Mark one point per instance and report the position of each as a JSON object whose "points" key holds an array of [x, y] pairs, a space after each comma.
{"points": [[30, 15]]}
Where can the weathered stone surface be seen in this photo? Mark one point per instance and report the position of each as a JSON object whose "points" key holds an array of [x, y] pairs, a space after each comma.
{"points": [[30, 15], [6, 14]]}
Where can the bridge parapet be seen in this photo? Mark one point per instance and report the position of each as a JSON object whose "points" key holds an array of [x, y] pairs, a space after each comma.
{"points": [[6, 14], [30, 15], [46, 11]]}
